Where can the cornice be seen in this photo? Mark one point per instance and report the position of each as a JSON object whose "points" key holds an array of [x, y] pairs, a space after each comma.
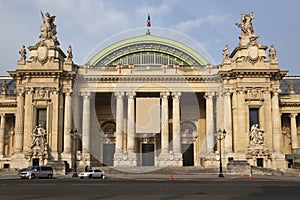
{"points": [[150, 78]]}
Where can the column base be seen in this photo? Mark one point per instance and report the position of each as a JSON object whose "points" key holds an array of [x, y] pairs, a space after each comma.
{"points": [[279, 161], [67, 156], [169, 159], [85, 160], [125, 159], [18, 161]]}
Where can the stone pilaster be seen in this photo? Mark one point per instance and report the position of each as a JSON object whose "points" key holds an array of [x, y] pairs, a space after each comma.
{"points": [[240, 134], [28, 127], [19, 122]]}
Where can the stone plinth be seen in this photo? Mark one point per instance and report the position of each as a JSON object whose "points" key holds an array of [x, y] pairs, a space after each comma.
{"points": [[169, 159], [125, 159]]}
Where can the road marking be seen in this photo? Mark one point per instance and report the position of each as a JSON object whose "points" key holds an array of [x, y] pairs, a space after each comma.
{"points": [[89, 184]]}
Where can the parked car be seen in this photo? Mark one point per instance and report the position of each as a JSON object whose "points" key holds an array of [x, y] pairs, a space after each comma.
{"points": [[92, 173], [37, 172]]}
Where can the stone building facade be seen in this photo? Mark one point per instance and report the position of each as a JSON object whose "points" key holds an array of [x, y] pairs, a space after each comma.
{"points": [[149, 101]]}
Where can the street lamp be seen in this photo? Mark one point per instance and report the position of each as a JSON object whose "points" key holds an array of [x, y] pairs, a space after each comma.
{"points": [[74, 135], [221, 136]]}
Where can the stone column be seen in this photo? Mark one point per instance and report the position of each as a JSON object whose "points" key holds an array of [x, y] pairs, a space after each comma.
{"points": [[209, 122], [68, 122], [294, 130], [164, 122], [228, 122], [86, 120], [2, 134], [119, 122], [276, 122], [130, 122], [19, 122], [128, 158], [176, 122]]}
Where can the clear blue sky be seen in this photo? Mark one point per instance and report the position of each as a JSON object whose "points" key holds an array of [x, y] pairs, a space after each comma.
{"points": [[86, 23]]}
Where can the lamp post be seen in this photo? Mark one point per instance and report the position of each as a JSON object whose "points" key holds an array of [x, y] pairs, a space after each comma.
{"points": [[221, 136], [74, 135]]}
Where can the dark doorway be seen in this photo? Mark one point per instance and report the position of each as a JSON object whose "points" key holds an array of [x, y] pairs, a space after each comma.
{"points": [[260, 162], [147, 154], [35, 162], [108, 154], [188, 154]]}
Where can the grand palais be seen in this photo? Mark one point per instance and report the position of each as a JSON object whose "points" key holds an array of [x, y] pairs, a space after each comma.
{"points": [[149, 100]]}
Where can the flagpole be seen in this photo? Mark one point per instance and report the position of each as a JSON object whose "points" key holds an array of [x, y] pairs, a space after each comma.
{"points": [[148, 25]]}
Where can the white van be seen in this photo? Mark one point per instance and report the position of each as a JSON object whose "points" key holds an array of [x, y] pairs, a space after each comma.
{"points": [[37, 172]]}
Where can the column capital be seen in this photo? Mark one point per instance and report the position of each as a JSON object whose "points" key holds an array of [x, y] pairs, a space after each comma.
{"points": [[275, 91], [2, 115], [227, 91], [29, 90], [164, 95], [293, 115], [68, 92], [19, 91], [85, 94], [176, 95], [241, 90], [119, 95], [130, 94], [209, 95]]}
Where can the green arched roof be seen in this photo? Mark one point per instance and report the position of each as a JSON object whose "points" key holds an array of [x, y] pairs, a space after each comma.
{"points": [[148, 44]]}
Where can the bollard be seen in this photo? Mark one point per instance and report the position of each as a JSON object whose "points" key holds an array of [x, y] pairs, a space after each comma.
{"points": [[250, 177], [29, 177], [171, 176]]}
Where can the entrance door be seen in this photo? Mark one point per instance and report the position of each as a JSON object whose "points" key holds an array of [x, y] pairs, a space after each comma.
{"points": [[35, 162], [147, 154], [188, 154], [260, 162], [108, 154]]}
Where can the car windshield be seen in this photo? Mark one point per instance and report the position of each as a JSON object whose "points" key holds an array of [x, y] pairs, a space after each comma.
{"points": [[30, 168], [91, 170]]}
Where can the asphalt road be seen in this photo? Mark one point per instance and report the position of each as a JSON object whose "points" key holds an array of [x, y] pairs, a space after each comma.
{"points": [[148, 189]]}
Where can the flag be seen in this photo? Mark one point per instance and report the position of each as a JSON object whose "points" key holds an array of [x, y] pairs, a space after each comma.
{"points": [[148, 21]]}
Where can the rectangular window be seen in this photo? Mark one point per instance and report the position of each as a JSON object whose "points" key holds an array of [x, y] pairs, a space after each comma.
{"points": [[253, 116], [41, 117]]}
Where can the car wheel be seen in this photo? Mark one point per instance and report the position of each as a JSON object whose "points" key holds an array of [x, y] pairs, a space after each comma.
{"points": [[90, 176], [101, 176], [49, 176], [81, 177], [32, 176]]}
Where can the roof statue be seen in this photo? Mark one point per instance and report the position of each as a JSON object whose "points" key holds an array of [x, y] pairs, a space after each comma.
{"points": [[48, 29], [70, 54], [272, 53], [226, 53], [22, 52], [247, 29]]}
